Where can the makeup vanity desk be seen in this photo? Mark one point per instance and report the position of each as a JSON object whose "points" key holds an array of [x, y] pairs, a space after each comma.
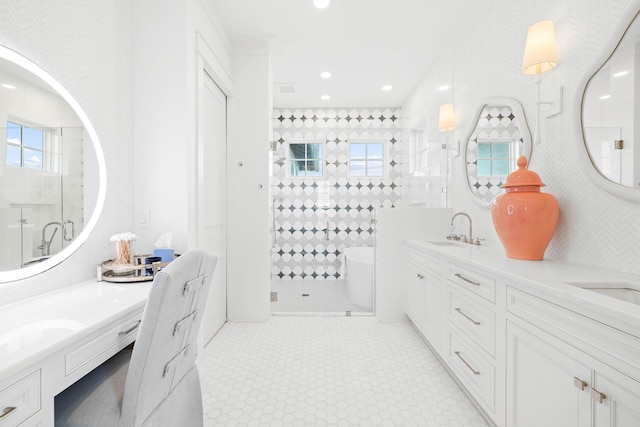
{"points": [[50, 341]]}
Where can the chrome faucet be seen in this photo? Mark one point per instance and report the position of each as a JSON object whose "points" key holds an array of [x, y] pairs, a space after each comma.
{"points": [[454, 237], [45, 244]]}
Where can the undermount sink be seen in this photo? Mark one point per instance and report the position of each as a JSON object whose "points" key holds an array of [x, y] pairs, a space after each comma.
{"points": [[447, 243], [443, 243], [624, 291]]}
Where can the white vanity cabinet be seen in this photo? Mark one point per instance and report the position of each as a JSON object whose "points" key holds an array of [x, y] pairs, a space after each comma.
{"points": [[531, 349], [424, 296], [569, 364], [20, 400], [51, 341], [471, 332]]}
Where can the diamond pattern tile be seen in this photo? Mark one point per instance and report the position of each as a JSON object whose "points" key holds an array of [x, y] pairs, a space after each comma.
{"points": [[346, 223]]}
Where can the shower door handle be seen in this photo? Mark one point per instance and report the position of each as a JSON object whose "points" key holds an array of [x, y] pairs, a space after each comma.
{"points": [[65, 234]]}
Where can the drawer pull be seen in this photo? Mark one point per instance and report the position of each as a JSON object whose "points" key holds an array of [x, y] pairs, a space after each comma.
{"points": [[468, 366], [597, 396], [420, 276], [459, 310], [131, 329], [7, 411], [460, 276], [579, 383]]}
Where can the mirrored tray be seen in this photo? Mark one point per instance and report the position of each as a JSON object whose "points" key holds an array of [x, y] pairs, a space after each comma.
{"points": [[127, 273]]}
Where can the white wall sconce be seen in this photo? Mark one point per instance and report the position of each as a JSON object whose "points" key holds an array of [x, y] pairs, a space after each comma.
{"points": [[540, 56], [447, 123], [447, 118]]}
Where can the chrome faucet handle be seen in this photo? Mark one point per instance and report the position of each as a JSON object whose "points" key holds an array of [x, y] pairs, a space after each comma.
{"points": [[452, 236], [478, 241]]}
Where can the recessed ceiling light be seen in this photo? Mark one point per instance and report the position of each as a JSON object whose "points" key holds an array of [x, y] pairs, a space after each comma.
{"points": [[7, 86], [443, 88], [325, 74], [325, 97], [621, 73], [387, 88], [321, 4], [605, 97]]}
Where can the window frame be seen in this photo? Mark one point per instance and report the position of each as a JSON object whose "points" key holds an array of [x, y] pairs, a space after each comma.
{"points": [[307, 141], [509, 142], [22, 146], [385, 157]]}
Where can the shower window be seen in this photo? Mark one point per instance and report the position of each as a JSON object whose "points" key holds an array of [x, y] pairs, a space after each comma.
{"points": [[306, 158], [494, 158], [366, 158]]}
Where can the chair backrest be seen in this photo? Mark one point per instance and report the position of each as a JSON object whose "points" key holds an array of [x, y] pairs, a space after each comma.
{"points": [[165, 349]]}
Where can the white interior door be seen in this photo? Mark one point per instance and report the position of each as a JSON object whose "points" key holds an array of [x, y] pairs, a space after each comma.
{"points": [[212, 206]]}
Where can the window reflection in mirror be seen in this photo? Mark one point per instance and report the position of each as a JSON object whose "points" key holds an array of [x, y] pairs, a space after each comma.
{"points": [[500, 135], [496, 158]]}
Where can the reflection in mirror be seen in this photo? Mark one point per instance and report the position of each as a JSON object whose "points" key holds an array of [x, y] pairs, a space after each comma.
{"points": [[499, 137], [609, 112], [51, 170]]}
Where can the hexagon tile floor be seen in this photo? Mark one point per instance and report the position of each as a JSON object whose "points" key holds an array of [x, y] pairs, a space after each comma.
{"points": [[327, 371]]}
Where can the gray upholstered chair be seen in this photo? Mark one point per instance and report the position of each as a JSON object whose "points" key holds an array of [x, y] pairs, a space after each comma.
{"points": [[156, 383]]}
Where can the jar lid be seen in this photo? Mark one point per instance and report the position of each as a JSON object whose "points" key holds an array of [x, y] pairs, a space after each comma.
{"points": [[523, 176]]}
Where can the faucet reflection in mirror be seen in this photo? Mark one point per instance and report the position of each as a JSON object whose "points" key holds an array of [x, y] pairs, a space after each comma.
{"points": [[540, 56]]}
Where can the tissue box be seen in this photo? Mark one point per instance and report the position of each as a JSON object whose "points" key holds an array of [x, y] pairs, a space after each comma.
{"points": [[165, 254]]}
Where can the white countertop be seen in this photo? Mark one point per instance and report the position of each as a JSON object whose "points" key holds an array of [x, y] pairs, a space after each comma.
{"points": [[548, 279], [32, 328]]}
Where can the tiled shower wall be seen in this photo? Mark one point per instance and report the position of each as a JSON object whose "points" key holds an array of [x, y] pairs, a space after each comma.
{"points": [[308, 239]]}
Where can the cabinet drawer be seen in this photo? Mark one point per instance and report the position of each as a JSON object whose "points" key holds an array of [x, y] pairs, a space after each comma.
{"points": [[608, 344], [425, 262], [104, 346], [479, 284], [20, 400], [474, 317], [473, 369]]}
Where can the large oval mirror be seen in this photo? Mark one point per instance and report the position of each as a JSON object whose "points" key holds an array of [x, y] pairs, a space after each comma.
{"points": [[610, 119], [52, 171], [500, 135]]}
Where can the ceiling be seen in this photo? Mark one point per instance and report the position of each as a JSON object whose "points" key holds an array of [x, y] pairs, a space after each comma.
{"points": [[365, 44]]}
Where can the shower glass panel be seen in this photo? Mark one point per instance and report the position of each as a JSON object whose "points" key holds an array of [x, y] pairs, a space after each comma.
{"points": [[41, 193]]}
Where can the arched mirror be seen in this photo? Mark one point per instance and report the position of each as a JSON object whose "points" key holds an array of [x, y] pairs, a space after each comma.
{"points": [[500, 135], [610, 119], [52, 171]]}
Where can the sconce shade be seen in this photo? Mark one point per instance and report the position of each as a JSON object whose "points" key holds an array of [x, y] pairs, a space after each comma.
{"points": [[447, 120], [540, 53]]}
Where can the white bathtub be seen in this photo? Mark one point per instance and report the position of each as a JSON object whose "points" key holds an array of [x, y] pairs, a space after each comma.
{"points": [[359, 275]]}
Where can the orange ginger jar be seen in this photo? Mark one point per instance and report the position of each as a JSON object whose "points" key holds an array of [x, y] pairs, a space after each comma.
{"points": [[523, 217]]}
